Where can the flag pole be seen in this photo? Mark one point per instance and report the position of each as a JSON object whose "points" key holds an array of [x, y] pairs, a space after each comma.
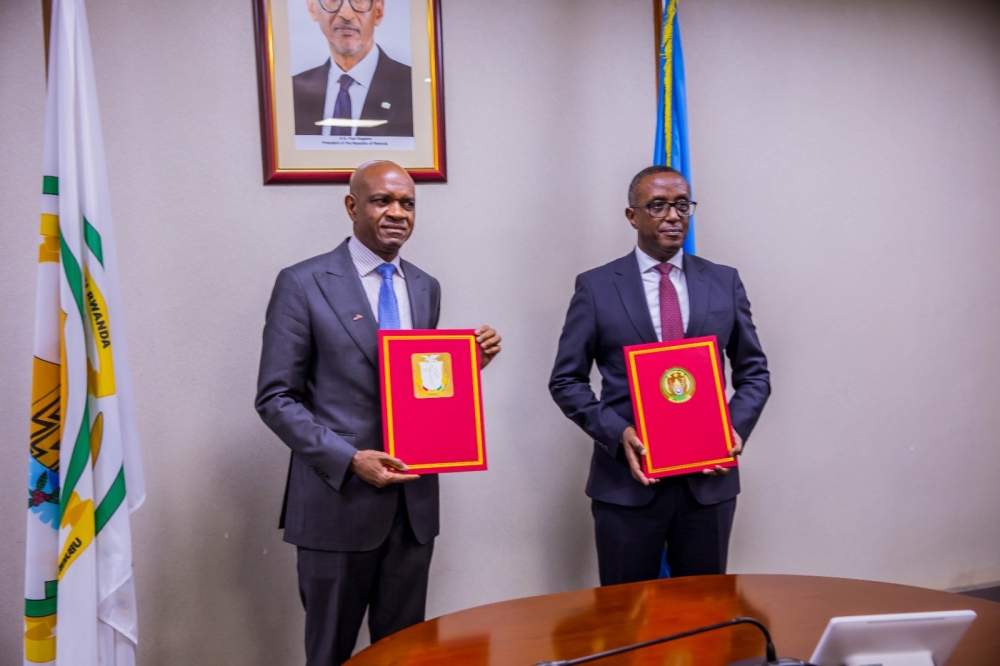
{"points": [[657, 34], [47, 28]]}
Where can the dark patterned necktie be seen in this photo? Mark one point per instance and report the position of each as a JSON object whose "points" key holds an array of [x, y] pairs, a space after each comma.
{"points": [[671, 322], [342, 109]]}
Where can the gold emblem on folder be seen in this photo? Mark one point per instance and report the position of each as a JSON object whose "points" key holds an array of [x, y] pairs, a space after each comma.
{"points": [[677, 385], [432, 376]]}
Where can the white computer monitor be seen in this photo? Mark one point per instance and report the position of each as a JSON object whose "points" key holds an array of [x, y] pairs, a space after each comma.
{"points": [[903, 639]]}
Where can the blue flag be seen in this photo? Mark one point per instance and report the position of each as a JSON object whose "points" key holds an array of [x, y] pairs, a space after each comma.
{"points": [[671, 148]]}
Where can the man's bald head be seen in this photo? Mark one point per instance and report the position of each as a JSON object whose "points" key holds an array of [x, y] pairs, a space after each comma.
{"points": [[369, 170], [382, 205]]}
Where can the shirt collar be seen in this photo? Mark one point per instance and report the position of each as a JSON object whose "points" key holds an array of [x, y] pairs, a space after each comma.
{"points": [[367, 261], [362, 73], [647, 263]]}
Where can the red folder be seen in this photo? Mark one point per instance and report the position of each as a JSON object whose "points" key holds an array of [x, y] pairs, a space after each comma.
{"points": [[679, 402], [432, 406]]}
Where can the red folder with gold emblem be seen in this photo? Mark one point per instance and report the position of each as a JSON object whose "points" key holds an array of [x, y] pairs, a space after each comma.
{"points": [[679, 402], [432, 405]]}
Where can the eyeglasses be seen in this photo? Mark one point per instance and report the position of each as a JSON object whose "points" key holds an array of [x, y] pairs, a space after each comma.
{"points": [[333, 6], [661, 209]]}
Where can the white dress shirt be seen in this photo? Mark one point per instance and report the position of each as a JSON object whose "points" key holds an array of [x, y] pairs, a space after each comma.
{"points": [[651, 285], [362, 73], [366, 262]]}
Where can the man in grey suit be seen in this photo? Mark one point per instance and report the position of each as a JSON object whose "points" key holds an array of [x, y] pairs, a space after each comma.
{"points": [[364, 527]]}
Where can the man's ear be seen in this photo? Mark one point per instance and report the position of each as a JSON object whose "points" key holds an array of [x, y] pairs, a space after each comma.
{"points": [[379, 10], [351, 204], [630, 214], [313, 11]]}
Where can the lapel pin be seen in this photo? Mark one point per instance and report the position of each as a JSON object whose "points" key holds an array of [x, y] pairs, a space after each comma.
{"points": [[386, 105], [357, 317]]}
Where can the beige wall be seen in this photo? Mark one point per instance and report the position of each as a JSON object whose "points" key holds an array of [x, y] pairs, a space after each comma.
{"points": [[846, 158]]}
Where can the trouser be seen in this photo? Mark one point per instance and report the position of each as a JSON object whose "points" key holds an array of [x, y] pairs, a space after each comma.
{"points": [[630, 539], [337, 587]]}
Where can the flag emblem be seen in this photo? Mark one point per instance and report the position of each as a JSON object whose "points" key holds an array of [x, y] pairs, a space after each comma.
{"points": [[432, 377], [677, 385]]}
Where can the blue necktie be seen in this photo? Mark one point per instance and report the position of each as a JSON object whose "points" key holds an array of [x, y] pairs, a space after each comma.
{"points": [[388, 306], [342, 109]]}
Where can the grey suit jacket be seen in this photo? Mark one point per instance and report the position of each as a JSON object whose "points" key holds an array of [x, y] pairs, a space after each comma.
{"points": [[318, 390]]}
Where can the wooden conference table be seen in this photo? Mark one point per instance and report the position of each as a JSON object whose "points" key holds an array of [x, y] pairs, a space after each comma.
{"points": [[567, 625]]}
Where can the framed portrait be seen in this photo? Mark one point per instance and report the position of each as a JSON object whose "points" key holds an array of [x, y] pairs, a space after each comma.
{"points": [[344, 82]]}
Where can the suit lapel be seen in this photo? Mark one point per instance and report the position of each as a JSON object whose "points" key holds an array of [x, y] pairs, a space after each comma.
{"points": [[311, 99], [342, 290], [698, 291], [378, 102], [418, 291], [629, 284]]}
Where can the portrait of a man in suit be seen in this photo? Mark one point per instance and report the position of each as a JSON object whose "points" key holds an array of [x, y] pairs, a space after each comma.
{"points": [[369, 93]]}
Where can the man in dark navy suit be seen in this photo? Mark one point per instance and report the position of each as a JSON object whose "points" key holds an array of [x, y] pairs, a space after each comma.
{"points": [[359, 82], [653, 294]]}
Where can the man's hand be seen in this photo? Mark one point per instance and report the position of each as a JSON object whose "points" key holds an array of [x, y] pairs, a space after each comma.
{"points": [[380, 469], [634, 450], [489, 344], [737, 450]]}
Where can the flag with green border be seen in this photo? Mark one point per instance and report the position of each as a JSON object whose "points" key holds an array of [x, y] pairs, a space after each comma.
{"points": [[85, 473]]}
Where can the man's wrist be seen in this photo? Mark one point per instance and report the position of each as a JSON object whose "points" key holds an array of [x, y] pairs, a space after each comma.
{"points": [[625, 432]]}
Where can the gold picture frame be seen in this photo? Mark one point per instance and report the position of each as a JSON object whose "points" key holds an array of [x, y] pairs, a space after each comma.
{"points": [[299, 66]]}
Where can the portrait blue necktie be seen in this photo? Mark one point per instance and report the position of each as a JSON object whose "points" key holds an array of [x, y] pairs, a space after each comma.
{"points": [[342, 109], [388, 306]]}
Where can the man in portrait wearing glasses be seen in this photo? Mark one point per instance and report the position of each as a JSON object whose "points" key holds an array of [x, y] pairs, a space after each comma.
{"points": [[359, 82], [656, 293]]}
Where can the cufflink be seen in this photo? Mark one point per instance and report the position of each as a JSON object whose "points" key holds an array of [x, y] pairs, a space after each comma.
{"points": [[386, 105]]}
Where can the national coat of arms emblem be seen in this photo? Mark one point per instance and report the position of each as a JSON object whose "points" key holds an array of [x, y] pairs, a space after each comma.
{"points": [[432, 377], [677, 385]]}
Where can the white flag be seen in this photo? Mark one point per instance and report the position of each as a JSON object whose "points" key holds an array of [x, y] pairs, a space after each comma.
{"points": [[85, 471]]}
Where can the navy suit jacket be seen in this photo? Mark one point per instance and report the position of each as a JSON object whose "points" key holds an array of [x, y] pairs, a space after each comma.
{"points": [[318, 390], [608, 312], [389, 98]]}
